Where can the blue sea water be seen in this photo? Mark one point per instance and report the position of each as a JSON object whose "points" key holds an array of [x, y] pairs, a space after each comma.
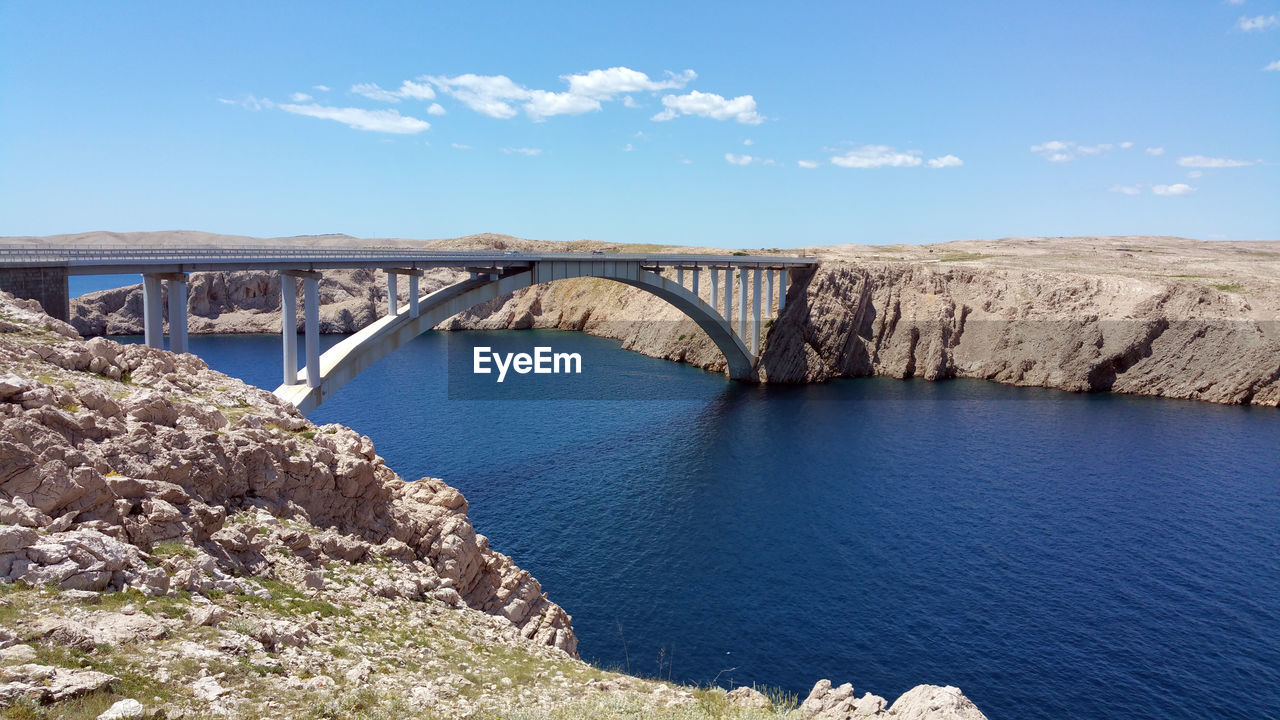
{"points": [[1054, 555]]}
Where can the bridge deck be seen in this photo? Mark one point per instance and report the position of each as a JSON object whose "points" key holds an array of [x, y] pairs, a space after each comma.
{"points": [[109, 261]]}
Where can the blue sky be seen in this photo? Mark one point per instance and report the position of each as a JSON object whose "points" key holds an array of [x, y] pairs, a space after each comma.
{"points": [[732, 124]]}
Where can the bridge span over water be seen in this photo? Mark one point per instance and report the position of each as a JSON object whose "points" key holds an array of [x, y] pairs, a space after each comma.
{"points": [[41, 272]]}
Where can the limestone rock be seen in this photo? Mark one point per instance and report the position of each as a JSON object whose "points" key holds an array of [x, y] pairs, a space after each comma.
{"points": [[931, 702], [123, 709], [748, 698], [923, 702], [46, 684]]}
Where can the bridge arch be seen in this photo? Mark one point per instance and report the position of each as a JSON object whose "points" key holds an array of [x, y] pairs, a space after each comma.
{"points": [[344, 361]]}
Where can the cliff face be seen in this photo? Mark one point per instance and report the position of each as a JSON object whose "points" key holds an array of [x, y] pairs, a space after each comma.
{"points": [[1151, 316], [127, 447], [1077, 332]]}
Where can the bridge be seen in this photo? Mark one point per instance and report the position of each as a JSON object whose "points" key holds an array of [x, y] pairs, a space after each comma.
{"points": [[41, 272]]}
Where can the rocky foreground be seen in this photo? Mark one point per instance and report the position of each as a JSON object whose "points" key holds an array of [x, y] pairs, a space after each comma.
{"points": [[175, 543], [1158, 316]]}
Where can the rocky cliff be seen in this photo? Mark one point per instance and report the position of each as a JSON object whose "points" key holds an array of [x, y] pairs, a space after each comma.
{"points": [[175, 543]]}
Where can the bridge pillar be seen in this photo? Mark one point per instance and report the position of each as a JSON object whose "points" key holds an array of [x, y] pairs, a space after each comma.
{"points": [[768, 293], [755, 309], [680, 276], [695, 281], [715, 288], [289, 326], [413, 295], [152, 312], [742, 302], [728, 296], [393, 296], [178, 313], [311, 323], [782, 289]]}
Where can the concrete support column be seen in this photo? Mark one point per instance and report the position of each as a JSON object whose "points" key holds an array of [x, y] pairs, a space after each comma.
{"points": [[728, 296], [755, 309], [289, 327], [152, 312], [178, 313], [393, 296], [768, 293], [715, 288], [782, 289], [742, 304], [680, 276], [413, 295], [695, 282], [311, 326]]}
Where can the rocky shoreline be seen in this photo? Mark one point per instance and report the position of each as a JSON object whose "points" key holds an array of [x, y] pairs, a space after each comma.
{"points": [[175, 543], [1164, 317]]}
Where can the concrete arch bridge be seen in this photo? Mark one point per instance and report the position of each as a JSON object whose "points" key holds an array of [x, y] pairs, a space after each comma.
{"points": [[42, 273]]}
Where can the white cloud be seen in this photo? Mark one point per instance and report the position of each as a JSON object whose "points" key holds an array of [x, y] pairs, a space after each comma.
{"points": [[877, 156], [1258, 23], [1235, 2], [408, 90], [1126, 189], [249, 102], [1195, 174], [373, 92], [416, 91], [628, 147], [543, 104], [608, 84], [628, 101], [1200, 161], [1060, 151], [1155, 151], [300, 97], [1272, 67], [527, 152], [495, 95], [320, 88], [946, 161], [748, 142], [709, 105], [738, 159], [1175, 189], [387, 121], [435, 109], [486, 94], [460, 146], [808, 164]]}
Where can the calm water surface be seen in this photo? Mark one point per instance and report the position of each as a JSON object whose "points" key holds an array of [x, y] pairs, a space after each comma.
{"points": [[1054, 555]]}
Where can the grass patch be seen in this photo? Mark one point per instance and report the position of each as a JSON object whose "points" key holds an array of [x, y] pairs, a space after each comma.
{"points": [[170, 548], [1229, 287], [287, 600]]}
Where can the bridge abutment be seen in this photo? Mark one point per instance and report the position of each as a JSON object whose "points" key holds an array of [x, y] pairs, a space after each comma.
{"points": [[45, 285]]}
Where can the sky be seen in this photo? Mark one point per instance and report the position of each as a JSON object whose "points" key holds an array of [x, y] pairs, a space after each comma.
{"points": [[731, 124]]}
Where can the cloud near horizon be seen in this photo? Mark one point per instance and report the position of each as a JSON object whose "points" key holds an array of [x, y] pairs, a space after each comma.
{"points": [[1201, 161], [1060, 151], [497, 95], [1175, 189], [866, 157], [385, 121], [1258, 23]]}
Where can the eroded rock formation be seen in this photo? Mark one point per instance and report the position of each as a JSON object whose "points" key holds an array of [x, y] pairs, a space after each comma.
{"points": [[125, 448]]}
